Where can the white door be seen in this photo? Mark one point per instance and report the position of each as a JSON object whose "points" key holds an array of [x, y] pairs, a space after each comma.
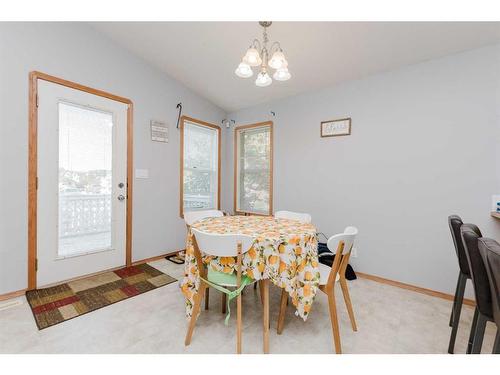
{"points": [[82, 177]]}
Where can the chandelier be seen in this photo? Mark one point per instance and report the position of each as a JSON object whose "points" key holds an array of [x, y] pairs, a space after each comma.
{"points": [[258, 55]]}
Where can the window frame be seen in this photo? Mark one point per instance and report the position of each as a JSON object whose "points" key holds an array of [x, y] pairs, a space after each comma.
{"points": [[181, 180], [237, 130]]}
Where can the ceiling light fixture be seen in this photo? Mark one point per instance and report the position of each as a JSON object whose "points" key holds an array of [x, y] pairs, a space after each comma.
{"points": [[255, 58]]}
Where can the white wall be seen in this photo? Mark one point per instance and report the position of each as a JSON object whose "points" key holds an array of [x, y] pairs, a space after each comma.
{"points": [[423, 146], [78, 53]]}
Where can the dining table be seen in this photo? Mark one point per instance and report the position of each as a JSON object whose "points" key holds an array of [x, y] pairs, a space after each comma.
{"points": [[284, 252]]}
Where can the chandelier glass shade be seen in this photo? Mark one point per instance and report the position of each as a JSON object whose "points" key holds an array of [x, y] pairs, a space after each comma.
{"points": [[252, 57], [282, 74], [257, 55], [244, 70], [263, 79]]}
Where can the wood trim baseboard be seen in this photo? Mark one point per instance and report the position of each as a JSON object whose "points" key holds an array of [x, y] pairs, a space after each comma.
{"points": [[158, 257], [413, 288], [10, 295]]}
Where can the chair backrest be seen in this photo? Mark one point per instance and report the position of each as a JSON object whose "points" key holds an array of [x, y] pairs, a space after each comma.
{"points": [[302, 217], [222, 245], [455, 222], [490, 251], [470, 236], [347, 238], [191, 216]]}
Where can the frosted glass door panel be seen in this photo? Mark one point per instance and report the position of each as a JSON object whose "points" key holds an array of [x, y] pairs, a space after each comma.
{"points": [[85, 179]]}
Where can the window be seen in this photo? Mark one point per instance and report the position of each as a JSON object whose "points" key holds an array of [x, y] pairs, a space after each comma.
{"points": [[254, 169], [200, 165]]}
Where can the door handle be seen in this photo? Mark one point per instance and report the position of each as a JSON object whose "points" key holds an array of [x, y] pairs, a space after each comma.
{"points": [[121, 198]]}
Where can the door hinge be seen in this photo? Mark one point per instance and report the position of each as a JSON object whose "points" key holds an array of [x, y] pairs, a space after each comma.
{"points": [[36, 264], [36, 183], [36, 100]]}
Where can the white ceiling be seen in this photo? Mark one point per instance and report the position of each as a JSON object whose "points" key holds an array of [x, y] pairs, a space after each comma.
{"points": [[204, 55]]}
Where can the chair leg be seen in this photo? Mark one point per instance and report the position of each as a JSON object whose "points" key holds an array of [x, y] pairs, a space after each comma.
{"points": [[265, 320], [496, 345], [347, 299], [281, 316], [472, 331], [334, 320], [207, 295], [223, 302], [455, 300], [194, 315], [238, 324], [479, 334], [457, 311]]}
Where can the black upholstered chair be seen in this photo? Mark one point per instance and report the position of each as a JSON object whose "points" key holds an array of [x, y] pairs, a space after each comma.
{"points": [[483, 313], [490, 252], [455, 222]]}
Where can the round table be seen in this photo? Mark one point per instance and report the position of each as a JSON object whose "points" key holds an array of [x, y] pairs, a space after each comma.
{"points": [[284, 251]]}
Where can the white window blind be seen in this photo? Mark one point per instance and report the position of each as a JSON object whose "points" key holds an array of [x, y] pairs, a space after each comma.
{"points": [[253, 170], [201, 167]]}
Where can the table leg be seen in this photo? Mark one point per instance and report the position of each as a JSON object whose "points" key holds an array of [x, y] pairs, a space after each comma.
{"points": [[281, 317], [265, 322], [261, 290]]}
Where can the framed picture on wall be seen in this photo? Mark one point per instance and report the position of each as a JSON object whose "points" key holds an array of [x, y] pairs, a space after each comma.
{"points": [[335, 128]]}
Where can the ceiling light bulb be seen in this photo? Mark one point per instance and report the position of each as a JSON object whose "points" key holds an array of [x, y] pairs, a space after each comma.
{"points": [[263, 79], [278, 60], [252, 57], [282, 75], [243, 70]]}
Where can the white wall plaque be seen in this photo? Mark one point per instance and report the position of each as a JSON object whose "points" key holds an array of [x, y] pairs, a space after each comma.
{"points": [[159, 131]]}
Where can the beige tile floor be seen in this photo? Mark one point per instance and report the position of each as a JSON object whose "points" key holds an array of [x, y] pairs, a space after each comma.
{"points": [[390, 320]]}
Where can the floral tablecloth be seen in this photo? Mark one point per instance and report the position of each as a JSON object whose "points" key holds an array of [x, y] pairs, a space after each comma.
{"points": [[284, 251]]}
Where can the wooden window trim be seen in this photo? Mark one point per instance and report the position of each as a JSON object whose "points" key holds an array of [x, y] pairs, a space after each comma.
{"points": [[34, 76], [181, 179], [271, 166]]}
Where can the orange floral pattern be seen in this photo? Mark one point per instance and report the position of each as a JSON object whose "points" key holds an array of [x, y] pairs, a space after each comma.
{"points": [[284, 251]]}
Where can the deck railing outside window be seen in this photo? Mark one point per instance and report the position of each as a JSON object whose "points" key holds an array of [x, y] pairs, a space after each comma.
{"points": [[82, 214]]}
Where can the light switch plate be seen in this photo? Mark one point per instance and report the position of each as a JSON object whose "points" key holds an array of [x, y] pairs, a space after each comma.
{"points": [[141, 173]]}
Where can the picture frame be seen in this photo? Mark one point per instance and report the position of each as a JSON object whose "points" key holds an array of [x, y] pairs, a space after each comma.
{"points": [[335, 128]]}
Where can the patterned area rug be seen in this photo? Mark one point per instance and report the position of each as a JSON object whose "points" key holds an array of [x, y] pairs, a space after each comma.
{"points": [[59, 303]]}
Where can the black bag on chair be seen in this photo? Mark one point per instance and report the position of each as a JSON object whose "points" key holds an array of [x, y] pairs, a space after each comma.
{"points": [[326, 257]]}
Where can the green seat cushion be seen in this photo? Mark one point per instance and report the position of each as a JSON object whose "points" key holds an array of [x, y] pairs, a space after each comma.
{"points": [[224, 279]]}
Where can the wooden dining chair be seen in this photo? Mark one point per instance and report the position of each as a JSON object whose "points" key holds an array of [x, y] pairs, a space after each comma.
{"points": [[302, 217], [341, 244], [220, 245], [189, 218]]}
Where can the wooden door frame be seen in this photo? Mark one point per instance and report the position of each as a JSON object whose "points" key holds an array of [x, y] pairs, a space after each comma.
{"points": [[271, 166], [34, 76]]}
